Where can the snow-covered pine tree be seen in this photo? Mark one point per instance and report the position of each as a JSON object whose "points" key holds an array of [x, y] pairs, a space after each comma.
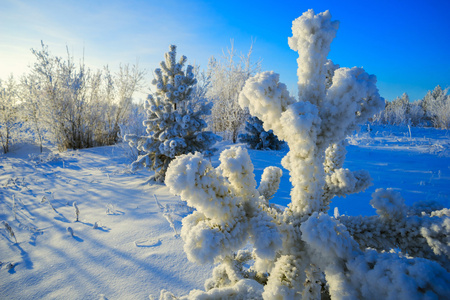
{"points": [[301, 252], [257, 138], [173, 127]]}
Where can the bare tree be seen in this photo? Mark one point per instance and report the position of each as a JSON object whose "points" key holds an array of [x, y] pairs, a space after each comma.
{"points": [[128, 80], [436, 103], [30, 97], [227, 77], [79, 107], [8, 111]]}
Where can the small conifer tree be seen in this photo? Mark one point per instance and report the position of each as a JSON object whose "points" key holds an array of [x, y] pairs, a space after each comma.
{"points": [[257, 138], [173, 127], [301, 252]]}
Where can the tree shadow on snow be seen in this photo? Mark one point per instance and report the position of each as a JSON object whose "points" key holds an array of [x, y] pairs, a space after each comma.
{"points": [[23, 254], [78, 239], [34, 236], [25, 257], [61, 218]]}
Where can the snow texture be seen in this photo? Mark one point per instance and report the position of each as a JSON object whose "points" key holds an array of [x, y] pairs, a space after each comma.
{"points": [[132, 251]]}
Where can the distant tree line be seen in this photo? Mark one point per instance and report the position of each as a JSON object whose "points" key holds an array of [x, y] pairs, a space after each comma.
{"points": [[432, 110], [73, 107]]}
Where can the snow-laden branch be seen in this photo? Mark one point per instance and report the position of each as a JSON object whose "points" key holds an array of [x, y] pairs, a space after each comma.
{"points": [[302, 252]]}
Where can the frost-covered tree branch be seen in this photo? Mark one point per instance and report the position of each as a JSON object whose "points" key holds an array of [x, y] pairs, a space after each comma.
{"points": [[301, 252]]}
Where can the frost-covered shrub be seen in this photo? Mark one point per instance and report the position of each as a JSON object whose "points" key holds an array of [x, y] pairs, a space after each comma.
{"points": [[173, 127], [227, 77], [9, 113], [301, 251], [77, 107], [432, 110], [257, 138], [436, 103], [396, 111]]}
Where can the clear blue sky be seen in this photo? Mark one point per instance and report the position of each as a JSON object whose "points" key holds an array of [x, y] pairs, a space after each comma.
{"points": [[406, 44]]}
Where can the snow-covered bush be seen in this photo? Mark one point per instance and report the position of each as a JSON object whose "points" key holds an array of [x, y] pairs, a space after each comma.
{"points": [[227, 76], [401, 111], [173, 127], [257, 138], [9, 112], [436, 103], [432, 110], [134, 126], [396, 112], [80, 108], [301, 251]]}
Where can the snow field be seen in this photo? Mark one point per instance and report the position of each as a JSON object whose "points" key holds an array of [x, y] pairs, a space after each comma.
{"points": [[134, 253], [131, 254]]}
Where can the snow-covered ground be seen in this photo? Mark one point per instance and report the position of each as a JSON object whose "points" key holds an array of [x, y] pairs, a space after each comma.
{"points": [[135, 251]]}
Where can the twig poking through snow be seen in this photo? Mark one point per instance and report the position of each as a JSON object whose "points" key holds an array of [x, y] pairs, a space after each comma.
{"points": [[166, 215], [170, 220], [10, 231], [159, 204], [110, 210], [77, 211], [9, 266], [48, 200], [70, 231], [14, 207], [336, 213]]}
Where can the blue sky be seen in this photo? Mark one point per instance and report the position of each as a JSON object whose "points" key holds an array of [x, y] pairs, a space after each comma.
{"points": [[404, 43]]}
